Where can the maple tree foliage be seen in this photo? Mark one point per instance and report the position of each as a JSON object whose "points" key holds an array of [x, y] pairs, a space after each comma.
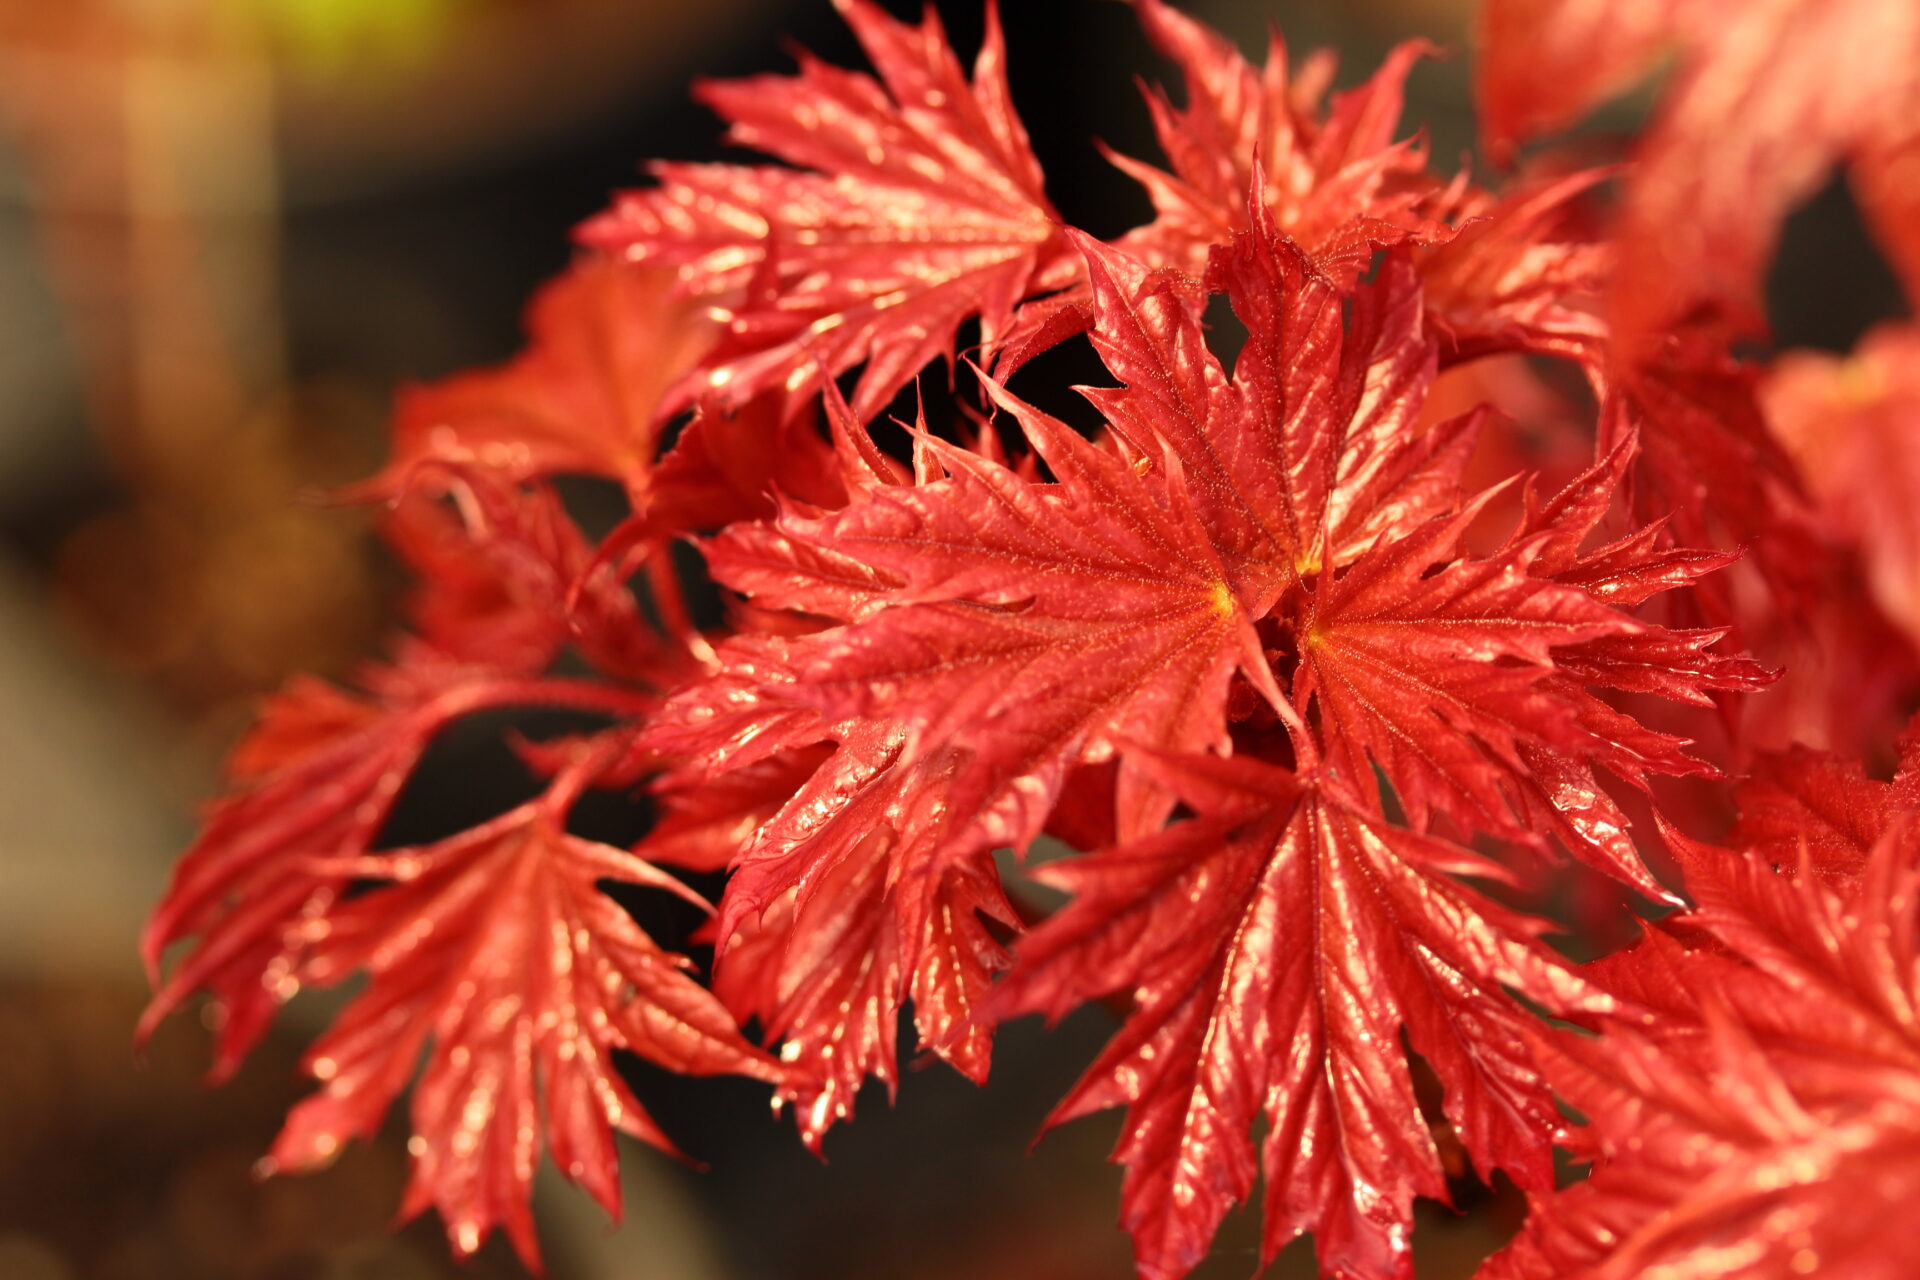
{"points": [[1750, 122], [920, 204], [1846, 421], [1326, 931], [1311, 691], [1753, 121], [533, 974], [1333, 180], [604, 344], [1761, 1117]]}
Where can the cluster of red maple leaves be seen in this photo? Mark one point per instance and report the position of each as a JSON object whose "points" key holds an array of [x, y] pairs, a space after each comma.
{"points": [[1316, 685]]}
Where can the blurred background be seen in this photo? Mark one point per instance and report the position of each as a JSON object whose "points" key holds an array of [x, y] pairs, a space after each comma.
{"points": [[228, 230]]}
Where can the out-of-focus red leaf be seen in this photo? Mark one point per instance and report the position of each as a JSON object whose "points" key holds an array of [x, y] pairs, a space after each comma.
{"points": [[1543, 64], [727, 467], [605, 342], [1752, 121], [1853, 426], [1886, 182], [506, 580]]}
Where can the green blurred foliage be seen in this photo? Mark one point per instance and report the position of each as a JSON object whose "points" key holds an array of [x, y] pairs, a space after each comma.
{"points": [[330, 37]]}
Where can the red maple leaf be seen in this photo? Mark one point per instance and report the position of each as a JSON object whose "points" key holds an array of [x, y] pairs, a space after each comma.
{"points": [[827, 966], [917, 204], [280, 893], [818, 958], [975, 599], [1275, 947], [495, 956], [1521, 272], [1004, 631], [1311, 450], [315, 780], [1813, 809], [1753, 122], [506, 581], [605, 342], [1764, 1121], [999, 632], [704, 822], [1514, 270], [1465, 679], [1709, 464], [1714, 471], [1849, 423], [1334, 180]]}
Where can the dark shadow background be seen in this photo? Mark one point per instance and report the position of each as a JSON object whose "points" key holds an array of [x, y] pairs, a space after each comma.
{"points": [[221, 248]]}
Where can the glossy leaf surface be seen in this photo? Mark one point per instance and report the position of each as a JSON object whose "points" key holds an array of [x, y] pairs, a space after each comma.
{"points": [[1766, 1121], [495, 956], [916, 204], [1275, 948]]}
